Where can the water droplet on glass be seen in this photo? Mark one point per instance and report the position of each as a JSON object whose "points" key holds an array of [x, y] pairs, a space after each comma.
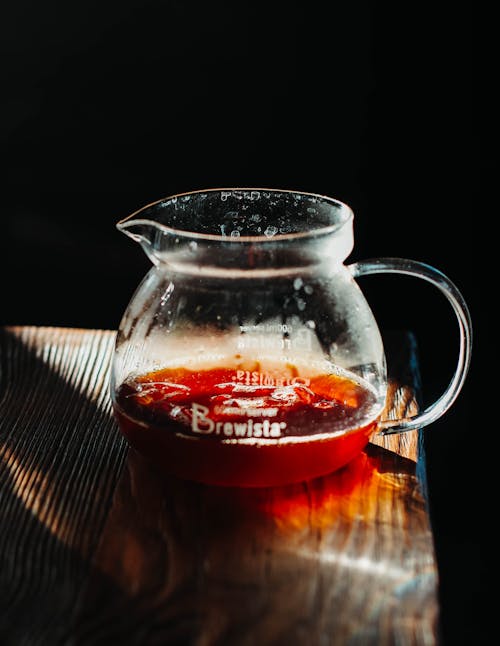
{"points": [[297, 283], [301, 304], [270, 231], [235, 233]]}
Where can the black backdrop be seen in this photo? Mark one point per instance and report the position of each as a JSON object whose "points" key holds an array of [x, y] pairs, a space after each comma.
{"points": [[107, 106]]}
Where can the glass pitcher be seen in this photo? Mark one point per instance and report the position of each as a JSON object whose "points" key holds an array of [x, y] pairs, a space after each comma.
{"points": [[248, 355]]}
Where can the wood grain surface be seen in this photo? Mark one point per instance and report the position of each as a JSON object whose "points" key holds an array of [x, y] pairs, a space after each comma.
{"points": [[97, 547]]}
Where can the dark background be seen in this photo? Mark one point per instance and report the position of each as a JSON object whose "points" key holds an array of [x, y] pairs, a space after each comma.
{"points": [[109, 106]]}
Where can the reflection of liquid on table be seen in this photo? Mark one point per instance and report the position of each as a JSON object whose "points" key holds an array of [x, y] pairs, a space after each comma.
{"points": [[339, 556], [133, 557]]}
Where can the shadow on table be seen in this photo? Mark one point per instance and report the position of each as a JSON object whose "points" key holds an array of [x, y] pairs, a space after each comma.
{"points": [[60, 459], [92, 552]]}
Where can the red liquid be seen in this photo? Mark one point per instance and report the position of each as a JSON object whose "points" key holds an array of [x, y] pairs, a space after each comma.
{"points": [[241, 428]]}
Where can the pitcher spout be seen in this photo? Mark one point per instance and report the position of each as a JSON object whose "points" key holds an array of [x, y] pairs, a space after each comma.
{"points": [[146, 233]]}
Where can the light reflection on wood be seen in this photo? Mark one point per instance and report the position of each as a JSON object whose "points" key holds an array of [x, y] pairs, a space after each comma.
{"points": [[238, 556], [344, 558]]}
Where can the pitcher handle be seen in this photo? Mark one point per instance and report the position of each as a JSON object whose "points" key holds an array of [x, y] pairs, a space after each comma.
{"points": [[445, 285]]}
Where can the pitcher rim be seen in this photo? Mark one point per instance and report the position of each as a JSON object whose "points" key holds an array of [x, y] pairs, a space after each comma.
{"points": [[261, 238]]}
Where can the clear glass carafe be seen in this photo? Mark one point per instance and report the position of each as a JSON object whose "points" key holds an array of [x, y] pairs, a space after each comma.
{"points": [[248, 355]]}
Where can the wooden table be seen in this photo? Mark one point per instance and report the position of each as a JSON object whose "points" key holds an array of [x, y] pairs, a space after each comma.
{"points": [[96, 547]]}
